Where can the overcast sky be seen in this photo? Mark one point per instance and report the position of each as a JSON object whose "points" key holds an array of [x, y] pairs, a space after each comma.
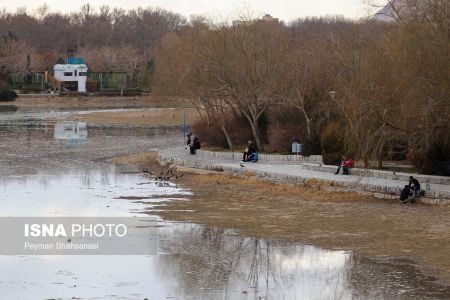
{"points": [[216, 9]]}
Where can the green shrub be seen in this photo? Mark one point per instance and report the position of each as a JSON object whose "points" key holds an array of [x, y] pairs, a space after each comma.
{"points": [[433, 161], [332, 143]]}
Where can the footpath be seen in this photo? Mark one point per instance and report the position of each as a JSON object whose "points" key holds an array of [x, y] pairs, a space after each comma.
{"points": [[310, 171]]}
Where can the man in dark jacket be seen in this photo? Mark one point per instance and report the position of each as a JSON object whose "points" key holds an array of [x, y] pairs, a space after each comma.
{"points": [[195, 145], [188, 138], [414, 183]]}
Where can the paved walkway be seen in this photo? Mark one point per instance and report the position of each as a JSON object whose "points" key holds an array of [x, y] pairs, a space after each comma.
{"points": [[303, 172]]}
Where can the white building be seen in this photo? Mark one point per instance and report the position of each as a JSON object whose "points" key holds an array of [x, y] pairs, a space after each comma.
{"points": [[72, 76], [394, 10]]}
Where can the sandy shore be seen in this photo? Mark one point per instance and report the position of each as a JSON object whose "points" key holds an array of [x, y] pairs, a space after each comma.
{"points": [[160, 116], [144, 110], [76, 102], [377, 228]]}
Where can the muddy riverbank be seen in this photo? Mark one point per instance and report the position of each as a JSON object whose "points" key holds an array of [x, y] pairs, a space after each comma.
{"points": [[146, 117], [54, 102], [219, 236], [378, 228]]}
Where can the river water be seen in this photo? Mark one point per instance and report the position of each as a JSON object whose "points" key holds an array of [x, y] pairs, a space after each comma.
{"points": [[61, 170]]}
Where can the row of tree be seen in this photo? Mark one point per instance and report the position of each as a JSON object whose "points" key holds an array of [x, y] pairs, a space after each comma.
{"points": [[364, 88], [110, 39], [375, 89]]}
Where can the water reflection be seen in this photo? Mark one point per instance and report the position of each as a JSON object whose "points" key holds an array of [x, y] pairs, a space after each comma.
{"points": [[210, 262], [71, 130], [8, 108], [30, 147], [82, 192], [195, 262]]}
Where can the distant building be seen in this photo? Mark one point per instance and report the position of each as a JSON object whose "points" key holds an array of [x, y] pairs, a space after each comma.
{"points": [[394, 10], [269, 18], [266, 18], [242, 22], [72, 75]]}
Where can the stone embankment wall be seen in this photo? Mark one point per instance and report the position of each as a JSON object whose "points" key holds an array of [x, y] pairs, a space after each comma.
{"points": [[221, 162]]}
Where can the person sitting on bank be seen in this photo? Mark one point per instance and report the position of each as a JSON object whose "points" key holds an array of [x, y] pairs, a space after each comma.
{"points": [[189, 139], [251, 148], [194, 145], [341, 164], [346, 164], [252, 158], [414, 183]]}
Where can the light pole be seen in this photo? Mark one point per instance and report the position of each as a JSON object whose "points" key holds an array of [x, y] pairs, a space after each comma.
{"points": [[42, 83], [333, 95], [101, 82], [184, 123]]}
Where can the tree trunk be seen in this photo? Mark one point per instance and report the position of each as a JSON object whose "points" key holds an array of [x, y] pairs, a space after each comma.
{"points": [[253, 121], [366, 161], [308, 127], [227, 136], [308, 122], [255, 131]]}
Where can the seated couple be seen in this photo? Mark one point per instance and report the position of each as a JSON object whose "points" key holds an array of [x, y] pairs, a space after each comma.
{"points": [[413, 185]]}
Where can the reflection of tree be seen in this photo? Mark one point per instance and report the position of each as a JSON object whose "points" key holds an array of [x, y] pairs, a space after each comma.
{"points": [[213, 236], [261, 265], [210, 259], [371, 279]]}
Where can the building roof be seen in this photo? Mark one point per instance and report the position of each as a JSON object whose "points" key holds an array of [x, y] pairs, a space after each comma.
{"points": [[65, 67], [393, 10]]}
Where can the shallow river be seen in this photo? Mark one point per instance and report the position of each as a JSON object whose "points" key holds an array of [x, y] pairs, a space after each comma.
{"points": [[62, 172]]}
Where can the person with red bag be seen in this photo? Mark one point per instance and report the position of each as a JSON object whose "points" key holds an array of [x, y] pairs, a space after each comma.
{"points": [[345, 164]]}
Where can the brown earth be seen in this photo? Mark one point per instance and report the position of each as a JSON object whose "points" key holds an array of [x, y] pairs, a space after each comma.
{"points": [[145, 110], [90, 102], [160, 116], [374, 227]]}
